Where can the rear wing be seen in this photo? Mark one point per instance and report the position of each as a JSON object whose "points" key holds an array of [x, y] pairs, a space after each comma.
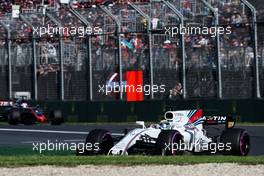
{"points": [[6, 103], [4, 106]]}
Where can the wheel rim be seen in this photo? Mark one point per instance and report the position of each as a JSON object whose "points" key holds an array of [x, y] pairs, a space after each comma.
{"points": [[175, 140], [244, 143], [106, 144]]}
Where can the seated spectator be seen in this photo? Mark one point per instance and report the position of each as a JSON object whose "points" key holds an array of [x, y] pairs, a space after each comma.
{"points": [[176, 92]]}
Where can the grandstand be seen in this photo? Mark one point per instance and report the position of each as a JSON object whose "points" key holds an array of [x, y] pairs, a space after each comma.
{"points": [[132, 37]]}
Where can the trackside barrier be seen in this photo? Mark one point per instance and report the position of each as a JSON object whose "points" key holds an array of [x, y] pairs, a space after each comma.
{"points": [[245, 110]]}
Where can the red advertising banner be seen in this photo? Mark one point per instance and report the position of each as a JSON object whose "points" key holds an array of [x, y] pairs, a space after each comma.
{"points": [[134, 86]]}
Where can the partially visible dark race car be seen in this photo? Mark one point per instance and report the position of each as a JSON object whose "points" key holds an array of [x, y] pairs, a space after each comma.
{"points": [[20, 112]]}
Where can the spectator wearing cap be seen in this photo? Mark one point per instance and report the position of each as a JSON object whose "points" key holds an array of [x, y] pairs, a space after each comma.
{"points": [[166, 52]]}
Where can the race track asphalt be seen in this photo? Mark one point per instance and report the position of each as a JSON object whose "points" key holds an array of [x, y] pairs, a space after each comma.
{"points": [[22, 135]]}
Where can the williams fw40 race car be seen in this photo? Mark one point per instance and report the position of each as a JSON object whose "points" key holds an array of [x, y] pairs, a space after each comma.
{"points": [[180, 132], [20, 112]]}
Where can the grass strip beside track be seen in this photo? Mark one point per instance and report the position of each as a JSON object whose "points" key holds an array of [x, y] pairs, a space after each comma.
{"points": [[36, 160], [8, 151]]}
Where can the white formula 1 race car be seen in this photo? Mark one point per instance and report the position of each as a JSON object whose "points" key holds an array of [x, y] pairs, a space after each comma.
{"points": [[179, 132]]}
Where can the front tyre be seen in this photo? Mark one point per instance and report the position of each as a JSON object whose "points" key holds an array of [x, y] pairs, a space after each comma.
{"points": [[238, 140], [99, 142], [168, 143], [14, 117]]}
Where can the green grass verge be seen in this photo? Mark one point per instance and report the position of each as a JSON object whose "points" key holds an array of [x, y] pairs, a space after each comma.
{"points": [[11, 156], [17, 161], [250, 124], [8, 151]]}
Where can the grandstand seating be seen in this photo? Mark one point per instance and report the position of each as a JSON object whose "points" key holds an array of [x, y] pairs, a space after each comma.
{"points": [[236, 50]]}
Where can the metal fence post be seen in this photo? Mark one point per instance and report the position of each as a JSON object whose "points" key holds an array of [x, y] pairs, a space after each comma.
{"points": [[34, 61], [34, 50], [256, 61], [60, 57], [178, 13], [8, 40], [219, 71], [183, 63], [150, 45], [61, 69], [90, 65], [89, 51], [9, 64], [118, 31]]}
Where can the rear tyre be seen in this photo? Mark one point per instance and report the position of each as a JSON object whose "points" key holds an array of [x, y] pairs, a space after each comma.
{"points": [[13, 117], [238, 140], [168, 143], [56, 117], [99, 142]]}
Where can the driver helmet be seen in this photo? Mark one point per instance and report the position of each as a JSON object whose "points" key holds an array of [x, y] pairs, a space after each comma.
{"points": [[164, 125], [24, 105]]}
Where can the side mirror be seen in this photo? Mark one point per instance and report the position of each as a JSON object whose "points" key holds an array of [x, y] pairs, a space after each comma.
{"points": [[142, 123]]}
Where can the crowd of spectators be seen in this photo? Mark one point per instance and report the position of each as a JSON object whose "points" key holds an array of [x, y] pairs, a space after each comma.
{"points": [[237, 47], [45, 69], [6, 5], [134, 45]]}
